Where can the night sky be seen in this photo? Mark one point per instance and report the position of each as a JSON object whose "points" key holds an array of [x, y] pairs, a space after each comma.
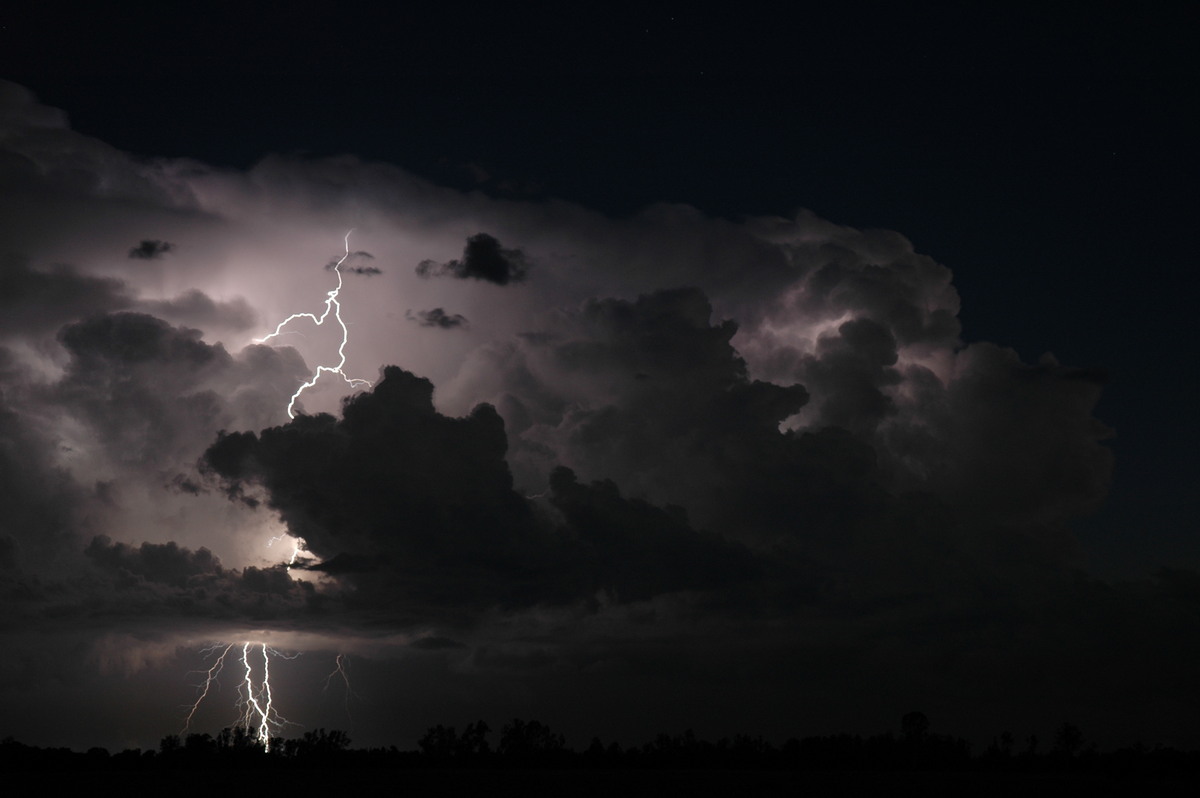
{"points": [[741, 371]]}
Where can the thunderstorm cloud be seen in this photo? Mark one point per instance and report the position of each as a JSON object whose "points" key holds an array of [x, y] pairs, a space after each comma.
{"points": [[758, 452]]}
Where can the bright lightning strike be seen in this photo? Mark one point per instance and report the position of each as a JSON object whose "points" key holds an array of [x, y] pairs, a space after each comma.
{"points": [[255, 704], [331, 306], [297, 547], [255, 701]]}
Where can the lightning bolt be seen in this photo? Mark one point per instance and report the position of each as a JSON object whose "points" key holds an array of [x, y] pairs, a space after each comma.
{"points": [[255, 704], [297, 547], [332, 305], [209, 680], [340, 670]]}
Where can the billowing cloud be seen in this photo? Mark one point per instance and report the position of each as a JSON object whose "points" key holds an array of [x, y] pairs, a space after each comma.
{"points": [[37, 301], [419, 508], [759, 452], [196, 309]]}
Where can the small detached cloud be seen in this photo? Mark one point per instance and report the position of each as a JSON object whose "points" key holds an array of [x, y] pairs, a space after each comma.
{"points": [[353, 264], [437, 318], [483, 259], [151, 249]]}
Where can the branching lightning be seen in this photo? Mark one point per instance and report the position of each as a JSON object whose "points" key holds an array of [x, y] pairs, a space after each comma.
{"points": [[255, 701], [256, 712], [332, 305], [209, 680], [297, 547], [255, 704], [340, 670]]}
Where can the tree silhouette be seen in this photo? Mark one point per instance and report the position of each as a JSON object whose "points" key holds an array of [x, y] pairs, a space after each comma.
{"points": [[1069, 740], [473, 744], [914, 726], [438, 743], [530, 741]]}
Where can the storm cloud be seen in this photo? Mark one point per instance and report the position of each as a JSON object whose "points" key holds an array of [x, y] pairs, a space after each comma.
{"points": [[757, 452], [425, 505]]}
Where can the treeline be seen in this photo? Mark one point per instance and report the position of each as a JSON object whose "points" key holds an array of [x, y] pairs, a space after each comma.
{"points": [[532, 745]]}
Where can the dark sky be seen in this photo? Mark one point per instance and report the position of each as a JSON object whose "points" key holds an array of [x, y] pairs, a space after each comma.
{"points": [[776, 288]]}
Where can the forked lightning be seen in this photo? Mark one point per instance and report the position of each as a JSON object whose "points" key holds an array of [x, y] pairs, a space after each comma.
{"points": [[331, 306], [256, 712]]}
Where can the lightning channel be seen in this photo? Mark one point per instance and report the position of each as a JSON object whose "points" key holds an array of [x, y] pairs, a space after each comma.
{"points": [[341, 671], [255, 707], [297, 547], [334, 307], [210, 679]]}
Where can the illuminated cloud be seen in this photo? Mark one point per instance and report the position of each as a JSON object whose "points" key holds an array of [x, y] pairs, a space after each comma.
{"points": [[759, 452]]}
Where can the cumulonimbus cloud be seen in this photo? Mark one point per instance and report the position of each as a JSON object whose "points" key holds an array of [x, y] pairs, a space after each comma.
{"points": [[683, 425]]}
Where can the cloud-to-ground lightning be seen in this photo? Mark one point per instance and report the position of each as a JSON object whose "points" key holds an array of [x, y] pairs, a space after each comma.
{"points": [[340, 670], [255, 703], [209, 680], [332, 305], [255, 706]]}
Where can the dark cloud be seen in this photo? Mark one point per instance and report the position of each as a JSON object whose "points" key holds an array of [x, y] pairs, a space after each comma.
{"points": [[637, 550], [166, 579], [852, 372], [36, 301], [140, 382], [418, 512], [483, 259], [195, 308], [154, 394], [1006, 441], [437, 318], [652, 394], [44, 509], [352, 264], [436, 643], [855, 504], [789, 483], [151, 249]]}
